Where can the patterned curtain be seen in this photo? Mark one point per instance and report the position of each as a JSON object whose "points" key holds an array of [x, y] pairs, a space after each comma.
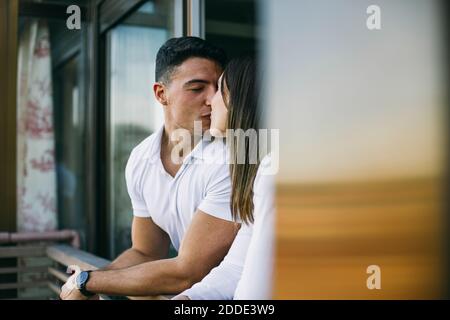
{"points": [[35, 135]]}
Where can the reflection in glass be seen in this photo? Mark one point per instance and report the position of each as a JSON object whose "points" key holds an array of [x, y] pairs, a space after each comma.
{"points": [[133, 111], [69, 142], [232, 25]]}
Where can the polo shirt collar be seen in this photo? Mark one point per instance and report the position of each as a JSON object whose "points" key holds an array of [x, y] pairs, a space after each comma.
{"points": [[155, 149], [197, 152]]}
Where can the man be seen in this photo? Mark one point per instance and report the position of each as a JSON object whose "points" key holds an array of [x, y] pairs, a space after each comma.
{"points": [[187, 202]]}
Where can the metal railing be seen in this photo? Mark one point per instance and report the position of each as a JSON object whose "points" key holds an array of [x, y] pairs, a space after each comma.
{"points": [[37, 262], [46, 277]]}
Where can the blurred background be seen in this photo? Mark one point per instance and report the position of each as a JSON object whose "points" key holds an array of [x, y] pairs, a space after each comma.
{"points": [[362, 116]]}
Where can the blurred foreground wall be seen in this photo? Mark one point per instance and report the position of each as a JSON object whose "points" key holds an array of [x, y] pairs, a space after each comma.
{"points": [[362, 124]]}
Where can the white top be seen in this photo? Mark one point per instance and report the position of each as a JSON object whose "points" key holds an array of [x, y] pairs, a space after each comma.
{"points": [[253, 244], [202, 182]]}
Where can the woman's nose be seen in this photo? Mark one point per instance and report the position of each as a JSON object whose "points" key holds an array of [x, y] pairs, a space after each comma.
{"points": [[210, 95]]}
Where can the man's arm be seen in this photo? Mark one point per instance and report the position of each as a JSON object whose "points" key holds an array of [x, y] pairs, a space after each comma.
{"points": [[149, 243], [205, 244]]}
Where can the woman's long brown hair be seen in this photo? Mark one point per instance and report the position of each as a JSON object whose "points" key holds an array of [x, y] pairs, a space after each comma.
{"points": [[241, 79]]}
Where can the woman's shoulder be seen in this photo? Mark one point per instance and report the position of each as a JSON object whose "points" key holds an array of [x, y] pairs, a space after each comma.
{"points": [[265, 177]]}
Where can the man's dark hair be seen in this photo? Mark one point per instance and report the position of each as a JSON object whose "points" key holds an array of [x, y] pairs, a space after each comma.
{"points": [[177, 50]]}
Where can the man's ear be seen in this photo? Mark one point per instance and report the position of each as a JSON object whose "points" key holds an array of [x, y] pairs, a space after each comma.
{"points": [[160, 93]]}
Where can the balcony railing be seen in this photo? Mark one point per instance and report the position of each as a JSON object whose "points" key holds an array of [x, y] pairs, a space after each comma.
{"points": [[33, 265]]}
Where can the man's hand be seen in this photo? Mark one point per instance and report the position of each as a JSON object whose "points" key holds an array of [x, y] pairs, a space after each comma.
{"points": [[69, 290], [205, 244]]}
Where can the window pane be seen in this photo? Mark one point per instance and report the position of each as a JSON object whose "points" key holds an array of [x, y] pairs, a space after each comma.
{"points": [[133, 111], [69, 145]]}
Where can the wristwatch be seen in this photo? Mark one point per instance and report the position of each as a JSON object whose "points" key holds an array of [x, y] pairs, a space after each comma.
{"points": [[81, 281]]}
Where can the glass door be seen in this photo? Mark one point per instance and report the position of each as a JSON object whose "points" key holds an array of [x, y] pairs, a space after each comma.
{"points": [[69, 139], [132, 112]]}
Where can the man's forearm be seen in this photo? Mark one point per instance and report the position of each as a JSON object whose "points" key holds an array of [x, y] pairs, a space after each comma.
{"points": [[150, 278], [128, 258]]}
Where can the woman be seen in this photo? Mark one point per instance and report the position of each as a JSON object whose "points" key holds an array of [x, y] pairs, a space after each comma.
{"points": [[236, 106]]}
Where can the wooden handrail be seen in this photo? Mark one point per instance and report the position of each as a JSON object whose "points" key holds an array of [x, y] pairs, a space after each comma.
{"points": [[63, 254], [67, 255]]}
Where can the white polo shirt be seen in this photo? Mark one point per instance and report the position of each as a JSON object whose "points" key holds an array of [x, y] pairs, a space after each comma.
{"points": [[203, 182]]}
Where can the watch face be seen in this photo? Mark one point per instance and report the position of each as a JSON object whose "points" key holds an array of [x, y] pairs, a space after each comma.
{"points": [[82, 277]]}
